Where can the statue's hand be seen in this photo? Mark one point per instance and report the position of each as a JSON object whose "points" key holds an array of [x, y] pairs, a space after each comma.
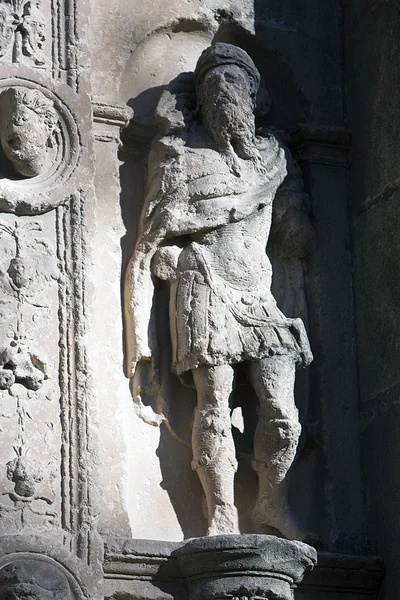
{"points": [[165, 262]]}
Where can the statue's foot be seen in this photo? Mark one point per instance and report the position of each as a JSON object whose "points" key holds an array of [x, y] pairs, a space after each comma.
{"points": [[270, 515], [224, 520]]}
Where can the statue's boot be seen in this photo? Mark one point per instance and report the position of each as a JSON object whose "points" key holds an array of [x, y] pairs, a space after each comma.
{"points": [[274, 451]]}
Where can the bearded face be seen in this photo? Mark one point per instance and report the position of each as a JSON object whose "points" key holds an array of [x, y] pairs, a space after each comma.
{"points": [[227, 107]]}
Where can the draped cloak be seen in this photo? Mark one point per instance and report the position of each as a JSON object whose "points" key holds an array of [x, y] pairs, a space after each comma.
{"points": [[193, 190]]}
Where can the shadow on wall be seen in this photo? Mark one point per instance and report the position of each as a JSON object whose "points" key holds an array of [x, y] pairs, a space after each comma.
{"points": [[289, 103]]}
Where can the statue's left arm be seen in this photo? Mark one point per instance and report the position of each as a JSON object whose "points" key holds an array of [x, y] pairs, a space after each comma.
{"points": [[292, 230]]}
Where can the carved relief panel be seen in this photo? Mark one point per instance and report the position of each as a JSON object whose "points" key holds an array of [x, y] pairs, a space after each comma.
{"points": [[36, 576], [24, 32], [29, 391], [45, 178], [43, 164]]}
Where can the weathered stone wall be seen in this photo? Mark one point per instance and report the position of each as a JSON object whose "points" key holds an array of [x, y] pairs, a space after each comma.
{"points": [[48, 473], [373, 84], [79, 468]]}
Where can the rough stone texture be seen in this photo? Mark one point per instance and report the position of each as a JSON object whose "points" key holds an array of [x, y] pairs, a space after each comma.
{"points": [[42, 567], [70, 432], [42, 174], [150, 569], [29, 365], [23, 29], [28, 122], [246, 566], [298, 53], [38, 579], [48, 453], [212, 189], [373, 89]]}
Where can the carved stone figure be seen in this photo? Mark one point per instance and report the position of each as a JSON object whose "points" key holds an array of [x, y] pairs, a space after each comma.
{"points": [[33, 579], [8, 24], [22, 27], [33, 32], [27, 494], [28, 122], [213, 189], [26, 269]]}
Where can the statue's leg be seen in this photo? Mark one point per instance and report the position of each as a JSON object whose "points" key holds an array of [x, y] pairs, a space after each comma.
{"points": [[213, 446], [275, 443]]}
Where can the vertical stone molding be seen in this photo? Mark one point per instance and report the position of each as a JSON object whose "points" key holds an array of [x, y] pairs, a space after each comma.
{"points": [[48, 450]]}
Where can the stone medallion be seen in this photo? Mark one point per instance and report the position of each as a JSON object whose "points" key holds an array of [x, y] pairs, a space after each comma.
{"points": [[41, 145]]}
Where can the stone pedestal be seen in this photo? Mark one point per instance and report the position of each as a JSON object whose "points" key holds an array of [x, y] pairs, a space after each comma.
{"points": [[244, 566]]}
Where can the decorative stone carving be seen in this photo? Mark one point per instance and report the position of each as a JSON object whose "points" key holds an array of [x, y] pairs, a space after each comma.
{"points": [[33, 32], [28, 276], [27, 493], [23, 279], [45, 390], [34, 579], [22, 31], [41, 145], [8, 25], [19, 365], [245, 566], [213, 189], [28, 122]]}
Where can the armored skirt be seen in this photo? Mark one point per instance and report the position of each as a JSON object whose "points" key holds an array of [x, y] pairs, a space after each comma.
{"points": [[214, 323]]}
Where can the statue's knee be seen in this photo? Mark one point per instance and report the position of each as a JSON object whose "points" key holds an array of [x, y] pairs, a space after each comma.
{"points": [[212, 438], [280, 428], [276, 437]]}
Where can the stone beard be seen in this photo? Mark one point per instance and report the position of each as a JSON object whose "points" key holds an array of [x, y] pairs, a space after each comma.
{"points": [[229, 119], [204, 228]]}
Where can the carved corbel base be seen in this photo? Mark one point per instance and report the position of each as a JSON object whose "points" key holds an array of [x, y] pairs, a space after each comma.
{"points": [[244, 566]]}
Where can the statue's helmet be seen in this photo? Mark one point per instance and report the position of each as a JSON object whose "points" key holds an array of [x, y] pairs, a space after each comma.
{"points": [[221, 54]]}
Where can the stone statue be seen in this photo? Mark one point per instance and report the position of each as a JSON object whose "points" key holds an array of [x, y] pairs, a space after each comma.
{"points": [[8, 23], [33, 32], [22, 31], [28, 121], [34, 579], [213, 190]]}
